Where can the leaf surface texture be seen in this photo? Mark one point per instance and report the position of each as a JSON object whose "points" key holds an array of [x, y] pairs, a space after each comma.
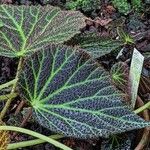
{"points": [[71, 94], [27, 29], [96, 45]]}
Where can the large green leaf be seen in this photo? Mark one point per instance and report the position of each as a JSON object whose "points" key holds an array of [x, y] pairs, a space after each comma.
{"points": [[73, 95], [29, 28], [96, 45]]}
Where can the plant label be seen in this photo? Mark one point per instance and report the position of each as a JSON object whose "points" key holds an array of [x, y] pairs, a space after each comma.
{"points": [[135, 74]]}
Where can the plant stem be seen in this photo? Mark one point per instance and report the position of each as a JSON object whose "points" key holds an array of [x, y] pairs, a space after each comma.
{"points": [[4, 110], [31, 142], [37, 135], [8, 96], [147, 105], [2, 86]]}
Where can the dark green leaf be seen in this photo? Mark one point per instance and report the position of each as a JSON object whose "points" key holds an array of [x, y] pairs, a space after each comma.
{"points": [[119, 142], [71, 94], [97, 46], [29, 28]]}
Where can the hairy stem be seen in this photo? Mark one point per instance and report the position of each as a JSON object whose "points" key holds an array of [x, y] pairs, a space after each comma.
{"points": [[4, 110], [147, 105], [31, 142], [5, 85], [8, 96], [37, 135]]}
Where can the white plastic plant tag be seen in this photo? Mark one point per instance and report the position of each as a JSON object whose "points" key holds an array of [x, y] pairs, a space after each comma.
{"points": [[135, 74]]}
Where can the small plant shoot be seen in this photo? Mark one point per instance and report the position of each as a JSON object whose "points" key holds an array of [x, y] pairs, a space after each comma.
{"points": [[125, 37]]}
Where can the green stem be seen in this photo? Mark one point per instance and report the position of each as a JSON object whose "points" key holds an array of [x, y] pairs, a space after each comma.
{"points": [[31, 142], [35, 134], [6, 107], [8, 96], [147, 105], [5, 85]]}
